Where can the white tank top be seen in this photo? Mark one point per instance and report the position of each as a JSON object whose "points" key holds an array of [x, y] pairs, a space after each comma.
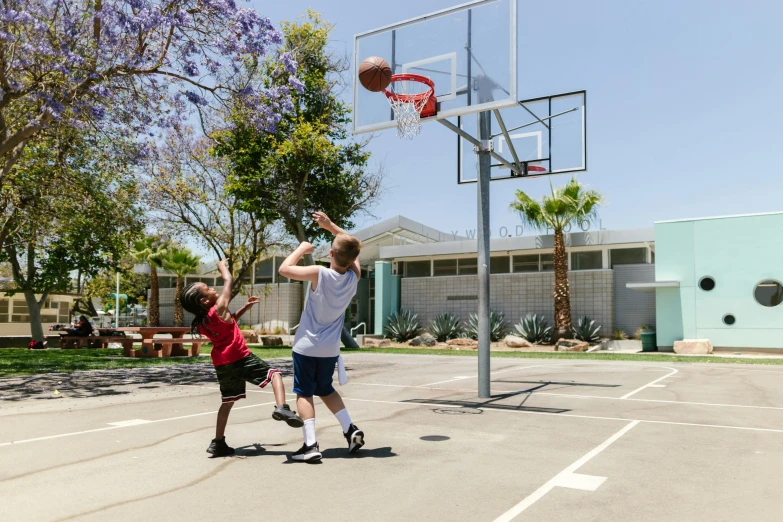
{"points": [[322, 320]]}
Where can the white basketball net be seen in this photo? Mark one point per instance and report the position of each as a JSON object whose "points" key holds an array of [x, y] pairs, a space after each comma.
{"points": [[408, 113]]}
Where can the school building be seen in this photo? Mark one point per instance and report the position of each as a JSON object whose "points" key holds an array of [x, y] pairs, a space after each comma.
{"points": [[717, 278]]}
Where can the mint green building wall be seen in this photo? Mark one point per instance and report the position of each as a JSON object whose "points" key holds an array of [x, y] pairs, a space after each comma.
{"points": [[738, 252], [363, 296], [387, 295]]}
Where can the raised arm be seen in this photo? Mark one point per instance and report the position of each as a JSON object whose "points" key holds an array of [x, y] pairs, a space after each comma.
{"points": [[225, 296], [289, 269]]}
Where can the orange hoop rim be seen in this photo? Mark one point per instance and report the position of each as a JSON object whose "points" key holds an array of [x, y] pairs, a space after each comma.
{"points": [[407, 77]]}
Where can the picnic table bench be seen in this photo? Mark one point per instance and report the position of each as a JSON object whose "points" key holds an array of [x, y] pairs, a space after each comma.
{"points": [[102, 340], [152, 346]]}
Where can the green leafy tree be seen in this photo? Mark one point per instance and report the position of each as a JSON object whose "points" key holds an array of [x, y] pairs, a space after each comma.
{"points": [[81, 215], [566, 205], [180, 261], [103, 284], [152, 250], [186, 188], [311, 163]]}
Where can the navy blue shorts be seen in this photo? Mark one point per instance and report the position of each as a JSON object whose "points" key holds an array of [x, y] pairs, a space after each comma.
{"points": [[313, 375]]}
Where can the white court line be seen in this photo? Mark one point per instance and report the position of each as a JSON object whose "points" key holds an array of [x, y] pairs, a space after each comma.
{"points": [[637, 390], [573, 396], [61, 435], [551, 483], [490, 373]]}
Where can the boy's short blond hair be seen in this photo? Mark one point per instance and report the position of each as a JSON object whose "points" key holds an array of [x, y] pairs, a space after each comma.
{"points": [[345, 250]]}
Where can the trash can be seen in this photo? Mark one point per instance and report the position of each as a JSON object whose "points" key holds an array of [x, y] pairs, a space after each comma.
{"points": [[649, 342]]}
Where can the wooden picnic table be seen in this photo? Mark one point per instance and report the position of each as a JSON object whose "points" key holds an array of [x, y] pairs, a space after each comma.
{"points": [[152, 346]]}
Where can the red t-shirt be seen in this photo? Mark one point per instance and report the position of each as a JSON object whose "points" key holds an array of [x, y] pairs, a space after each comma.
{"points": [[228, 344]]}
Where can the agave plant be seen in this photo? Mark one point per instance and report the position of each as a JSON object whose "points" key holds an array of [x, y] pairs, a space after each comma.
{"points": [[497, 326], [446, 326], [534, 329], [403, 326], [586, 330]]}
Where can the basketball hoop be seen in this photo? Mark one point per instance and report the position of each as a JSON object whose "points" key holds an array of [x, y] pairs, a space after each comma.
{"points": [[410, 97]]}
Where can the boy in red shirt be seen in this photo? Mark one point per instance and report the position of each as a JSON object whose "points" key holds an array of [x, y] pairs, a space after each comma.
{"points": [[234, 363]]}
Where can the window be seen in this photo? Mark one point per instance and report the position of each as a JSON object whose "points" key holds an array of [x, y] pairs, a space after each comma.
{"points": [[628, 256], [264, 271], [64, 312], [547, 262], [417, 269], [48, 317], [526, 263], [3, 310], [768, 293], [468, 266], [171, 282], [20, 312], [707, 283], [586, 260], [444, 267], [498, 265], [729, 319]]}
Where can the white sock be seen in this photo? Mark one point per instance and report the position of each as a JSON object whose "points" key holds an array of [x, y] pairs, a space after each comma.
{"points": [[308, 430], [344, 419]]}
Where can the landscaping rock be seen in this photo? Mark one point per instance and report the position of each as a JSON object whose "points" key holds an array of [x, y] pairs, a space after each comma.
{"points": [[424, 340], [376, 343], [512, 341], [250, 336], [693, 346], [467, 343], [571, 345], [272, 340]]}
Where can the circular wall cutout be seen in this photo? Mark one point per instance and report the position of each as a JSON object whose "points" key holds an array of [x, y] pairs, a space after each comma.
{"points": [[729, 319], [768, 293], [706, 283]]}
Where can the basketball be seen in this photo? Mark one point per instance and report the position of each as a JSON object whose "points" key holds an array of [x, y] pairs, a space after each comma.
{"points": [[375, 74]]}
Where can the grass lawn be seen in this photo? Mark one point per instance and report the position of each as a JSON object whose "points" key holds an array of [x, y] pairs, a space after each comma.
{"points": [[21, 361]]}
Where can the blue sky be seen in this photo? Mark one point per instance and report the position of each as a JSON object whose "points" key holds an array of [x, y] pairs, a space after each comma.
{"points": [[684, 107]]}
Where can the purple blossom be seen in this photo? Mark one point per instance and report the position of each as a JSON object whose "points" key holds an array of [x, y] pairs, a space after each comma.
{"points": [[94, 79], [294, 82]]}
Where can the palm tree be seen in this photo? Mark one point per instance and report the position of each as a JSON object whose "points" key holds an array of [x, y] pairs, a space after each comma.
{"points": [[152, 251], [566, 205], [180, 261]]}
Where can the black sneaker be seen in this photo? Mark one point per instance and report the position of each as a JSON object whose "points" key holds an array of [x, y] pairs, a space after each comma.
{"points": [[355, 438], [307, 453], [219, 448], [284, 413]]}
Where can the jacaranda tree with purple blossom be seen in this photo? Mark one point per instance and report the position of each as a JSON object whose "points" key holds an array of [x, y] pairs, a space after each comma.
{"points": [[136, 65]]}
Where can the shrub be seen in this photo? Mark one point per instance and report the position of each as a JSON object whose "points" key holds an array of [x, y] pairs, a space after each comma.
{"points": [[446, 326], [403, 326], [638, 333], [534, 329], [619, 335], [497, 326], [586, 330]]}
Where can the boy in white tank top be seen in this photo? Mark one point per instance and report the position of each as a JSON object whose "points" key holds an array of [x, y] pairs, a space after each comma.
{"points": [[317, 342]]}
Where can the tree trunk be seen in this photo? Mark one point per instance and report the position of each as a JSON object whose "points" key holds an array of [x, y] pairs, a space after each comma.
{"points": [[179, 315], [34, 311], [562, 294], [153, 307]]}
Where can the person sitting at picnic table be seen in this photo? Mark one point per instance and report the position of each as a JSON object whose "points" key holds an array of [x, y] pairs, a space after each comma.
{"points": [[83, 328]]}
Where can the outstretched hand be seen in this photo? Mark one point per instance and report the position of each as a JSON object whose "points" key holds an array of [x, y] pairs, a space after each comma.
{"points": [[323, 220], [253, 299]]}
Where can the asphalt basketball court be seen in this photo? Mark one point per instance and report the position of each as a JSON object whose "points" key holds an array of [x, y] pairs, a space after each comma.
{"points": [[558, 440]]}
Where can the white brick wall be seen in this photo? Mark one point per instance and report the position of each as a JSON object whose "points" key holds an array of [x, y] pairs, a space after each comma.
{"points": [[513, 294], [276, 310]]}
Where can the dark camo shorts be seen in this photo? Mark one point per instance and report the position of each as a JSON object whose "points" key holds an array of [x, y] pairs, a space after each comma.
{"points": [[233, 376]]}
